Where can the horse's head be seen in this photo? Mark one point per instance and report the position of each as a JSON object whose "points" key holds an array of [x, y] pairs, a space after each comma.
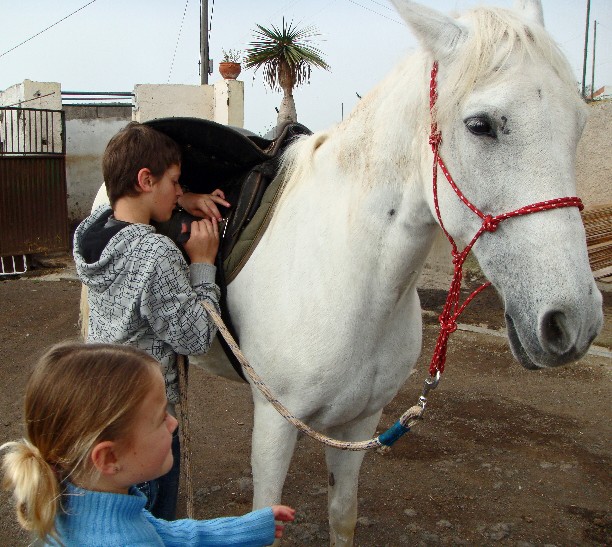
{"points": [[510, 118]]}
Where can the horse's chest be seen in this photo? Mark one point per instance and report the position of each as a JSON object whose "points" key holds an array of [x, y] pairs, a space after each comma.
{"points": [[362, 390]]}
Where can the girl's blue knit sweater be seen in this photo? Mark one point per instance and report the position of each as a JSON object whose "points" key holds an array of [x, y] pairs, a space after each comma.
{"points": [[104, 519]]}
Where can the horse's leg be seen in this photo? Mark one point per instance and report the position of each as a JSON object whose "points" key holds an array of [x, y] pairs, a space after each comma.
{"points": [[343, 467], [273, 444]]}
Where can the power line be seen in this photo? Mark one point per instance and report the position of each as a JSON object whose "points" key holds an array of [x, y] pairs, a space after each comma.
{"points": [[212, 13], [178, 38], [51, 26], [364, 7], [383, 6]]}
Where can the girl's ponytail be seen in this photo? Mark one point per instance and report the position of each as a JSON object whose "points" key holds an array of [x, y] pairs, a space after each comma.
{"points": [[35, 487]]}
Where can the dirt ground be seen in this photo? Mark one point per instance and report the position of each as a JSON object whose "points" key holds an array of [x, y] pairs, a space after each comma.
{"points": [[505, 456]]}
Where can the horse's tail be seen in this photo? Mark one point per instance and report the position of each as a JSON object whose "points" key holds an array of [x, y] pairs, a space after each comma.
{"points": [[84, 313]]}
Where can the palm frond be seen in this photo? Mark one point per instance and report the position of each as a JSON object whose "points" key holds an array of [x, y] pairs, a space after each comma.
{"points": [[284, 53]]}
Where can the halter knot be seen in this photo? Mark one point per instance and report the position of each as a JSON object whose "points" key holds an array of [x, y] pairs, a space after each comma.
{"points": [[458, 258], [490, 223], [449, 326], [435, 138]]}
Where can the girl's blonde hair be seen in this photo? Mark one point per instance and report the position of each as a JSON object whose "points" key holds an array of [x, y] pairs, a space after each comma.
{"points": [[77, 396]]}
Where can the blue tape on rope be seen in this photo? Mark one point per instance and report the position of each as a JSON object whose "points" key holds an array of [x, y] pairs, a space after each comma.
{"points": [[393, 434]]}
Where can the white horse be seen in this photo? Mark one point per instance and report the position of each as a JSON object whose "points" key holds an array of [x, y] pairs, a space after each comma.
{"points": [[327, 309]]}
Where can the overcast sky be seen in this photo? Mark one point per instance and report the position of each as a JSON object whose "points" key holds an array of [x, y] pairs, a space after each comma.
{"points": [[112, 45]]}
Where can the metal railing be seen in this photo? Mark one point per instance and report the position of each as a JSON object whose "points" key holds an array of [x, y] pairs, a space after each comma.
{"points": [[103, 98], [31, 131]]}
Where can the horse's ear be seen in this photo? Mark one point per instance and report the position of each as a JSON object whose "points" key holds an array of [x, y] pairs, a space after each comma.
{"points": [[436, 31], [532, 9]]}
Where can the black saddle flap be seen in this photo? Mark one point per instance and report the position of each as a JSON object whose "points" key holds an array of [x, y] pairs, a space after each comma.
{"points": [[213, 154], [231, 158]]}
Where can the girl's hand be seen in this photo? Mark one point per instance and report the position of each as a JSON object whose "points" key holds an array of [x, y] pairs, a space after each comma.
{"points": [[204, 205], [284, 514]]}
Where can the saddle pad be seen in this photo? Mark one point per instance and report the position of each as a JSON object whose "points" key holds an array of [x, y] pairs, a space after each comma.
{"points": [[254, 231]]}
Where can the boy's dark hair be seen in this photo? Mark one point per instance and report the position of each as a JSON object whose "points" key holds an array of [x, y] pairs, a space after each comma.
{"points": [[136, 147]]}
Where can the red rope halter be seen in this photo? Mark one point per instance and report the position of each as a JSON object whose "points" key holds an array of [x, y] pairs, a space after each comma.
{"points": [[452, 309]]}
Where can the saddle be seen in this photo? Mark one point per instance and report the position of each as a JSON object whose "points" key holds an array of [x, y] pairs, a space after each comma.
{"points": [[236, 160], [245, 166]]}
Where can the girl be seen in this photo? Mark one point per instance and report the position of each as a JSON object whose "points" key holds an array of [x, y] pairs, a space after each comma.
{"points": [[96, 425]]}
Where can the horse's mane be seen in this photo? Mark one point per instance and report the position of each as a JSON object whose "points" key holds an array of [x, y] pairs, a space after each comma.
{"points": [[496, 37]]}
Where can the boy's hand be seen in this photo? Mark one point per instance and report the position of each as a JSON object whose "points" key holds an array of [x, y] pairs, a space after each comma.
{"points": [[204, 205], [203, 242], [284, 514]]}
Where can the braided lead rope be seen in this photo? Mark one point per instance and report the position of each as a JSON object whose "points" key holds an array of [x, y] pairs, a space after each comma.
{"points": [[399, 428], [181, 365], [452, 310]]}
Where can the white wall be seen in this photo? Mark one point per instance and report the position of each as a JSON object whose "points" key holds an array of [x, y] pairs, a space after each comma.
{"points": [[229, 103], [30, 94], [88, 130], [222, 102], [594, 158], [164, 101]]}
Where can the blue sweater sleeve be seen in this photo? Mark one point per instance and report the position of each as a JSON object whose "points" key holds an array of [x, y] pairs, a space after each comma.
{"points": [[254, 529]]}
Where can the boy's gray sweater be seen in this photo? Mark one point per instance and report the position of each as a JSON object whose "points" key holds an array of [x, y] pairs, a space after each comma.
{"points": [[142, 292]]}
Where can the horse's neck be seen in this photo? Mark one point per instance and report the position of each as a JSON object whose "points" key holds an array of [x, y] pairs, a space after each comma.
{"points": [[381, 170], [361, 211]]}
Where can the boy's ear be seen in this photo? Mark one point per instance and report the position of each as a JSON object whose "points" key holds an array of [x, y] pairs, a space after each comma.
{"points": [[145, 180], [104, 457]]}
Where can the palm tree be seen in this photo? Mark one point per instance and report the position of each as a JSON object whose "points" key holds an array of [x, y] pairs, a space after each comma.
{"points": [[287, 58]]}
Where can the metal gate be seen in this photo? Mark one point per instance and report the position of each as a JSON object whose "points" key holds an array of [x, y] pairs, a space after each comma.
{"points": [[33, 198]]}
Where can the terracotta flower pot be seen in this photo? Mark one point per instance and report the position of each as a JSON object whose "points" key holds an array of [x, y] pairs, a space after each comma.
{"points": [[230, 71]]}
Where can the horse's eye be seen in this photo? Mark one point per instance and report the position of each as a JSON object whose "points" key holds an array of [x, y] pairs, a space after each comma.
{"points": [[480, 126]]}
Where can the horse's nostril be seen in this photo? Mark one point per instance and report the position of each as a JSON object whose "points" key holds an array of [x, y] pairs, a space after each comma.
{"points": [[556, 336]]}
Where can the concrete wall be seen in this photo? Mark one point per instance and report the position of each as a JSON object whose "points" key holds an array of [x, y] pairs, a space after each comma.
{"points": [[90, 127], [163, 101], [222, 102], [88, 130], [594, 159], [229, 103], [30, 94]]}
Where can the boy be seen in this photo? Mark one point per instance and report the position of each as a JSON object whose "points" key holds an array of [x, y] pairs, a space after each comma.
{"points": [[141, 291]]}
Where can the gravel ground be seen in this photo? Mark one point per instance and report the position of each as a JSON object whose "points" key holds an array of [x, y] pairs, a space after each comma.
{"points": [[505, 456]]}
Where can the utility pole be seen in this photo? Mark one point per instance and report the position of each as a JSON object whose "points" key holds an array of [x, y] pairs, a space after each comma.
{"points": [[586, 45], [204, 42], [593, 60]]}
